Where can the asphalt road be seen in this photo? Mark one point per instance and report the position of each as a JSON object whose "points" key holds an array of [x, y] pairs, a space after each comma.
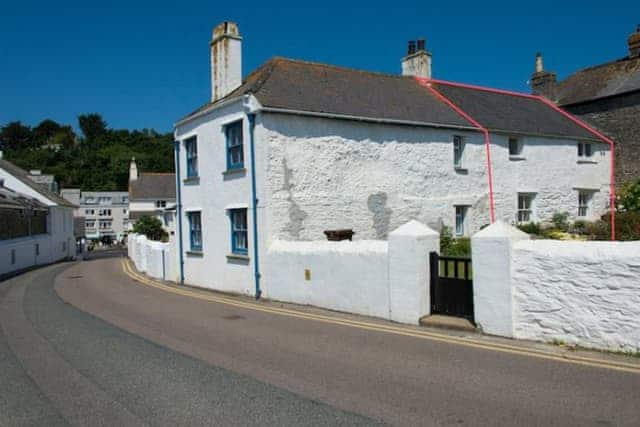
{"points": [[84, 344]]}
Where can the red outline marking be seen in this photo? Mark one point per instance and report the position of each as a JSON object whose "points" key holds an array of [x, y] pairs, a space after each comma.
{"points": [[485, 131]]}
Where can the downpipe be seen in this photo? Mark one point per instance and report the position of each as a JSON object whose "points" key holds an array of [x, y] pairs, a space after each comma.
{"points": [[254, 205]]}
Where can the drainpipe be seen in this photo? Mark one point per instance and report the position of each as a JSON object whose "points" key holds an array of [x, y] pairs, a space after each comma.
{"points": [[176, 145], [254, 202]]}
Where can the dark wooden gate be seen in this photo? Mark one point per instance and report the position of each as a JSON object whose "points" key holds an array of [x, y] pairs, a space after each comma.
{"points": [[451, 286]]}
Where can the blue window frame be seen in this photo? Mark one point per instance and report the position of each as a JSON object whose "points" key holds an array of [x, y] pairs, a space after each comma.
{"points": [[195, 231], [235, 152], [191, 148], [239, 242]]}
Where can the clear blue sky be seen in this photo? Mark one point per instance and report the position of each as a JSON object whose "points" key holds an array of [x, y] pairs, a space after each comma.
{"points": [[146, 63]]}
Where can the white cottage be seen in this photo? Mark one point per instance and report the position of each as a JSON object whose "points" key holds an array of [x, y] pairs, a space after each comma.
{"points": [[298, 148]]}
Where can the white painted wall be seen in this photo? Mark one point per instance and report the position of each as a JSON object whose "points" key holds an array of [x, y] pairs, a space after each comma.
{"points": [[585, 293], [150, 257]]}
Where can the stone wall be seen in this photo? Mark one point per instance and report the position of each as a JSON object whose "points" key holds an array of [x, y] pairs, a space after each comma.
{"points": [[619, 118]]}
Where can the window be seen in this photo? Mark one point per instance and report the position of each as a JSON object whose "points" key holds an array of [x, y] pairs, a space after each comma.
{"points": [[191, 146], [124, 211], [90, 224], [90, 201], [584, 202], [584, 149], [105, 225], [239, 244], [235, 154], [458, 150], [195, 231], [104, 200], [161, 204], [125, 199], [525, 207], [89, 212], [104, 212], [515, 148], [461, 214]]}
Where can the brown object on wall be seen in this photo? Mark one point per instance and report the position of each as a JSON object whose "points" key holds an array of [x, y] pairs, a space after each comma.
{"points": [[338, 235]]}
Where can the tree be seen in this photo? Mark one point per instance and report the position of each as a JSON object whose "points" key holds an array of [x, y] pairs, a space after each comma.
{"points": [[93, 127], [629, 197], [151, 227], [45, 131], [15, 136]]}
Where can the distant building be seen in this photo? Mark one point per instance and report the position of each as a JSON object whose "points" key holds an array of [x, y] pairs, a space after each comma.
{"points": [[606, 96], [36, 225], [48, 181], [150, 194], [105, 213]]}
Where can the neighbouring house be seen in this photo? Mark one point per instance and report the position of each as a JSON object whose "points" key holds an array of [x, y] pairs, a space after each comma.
{"points": [[299, 148], [151, 194], [105, 213], [608, 97], [36, 225], [48, 181]]}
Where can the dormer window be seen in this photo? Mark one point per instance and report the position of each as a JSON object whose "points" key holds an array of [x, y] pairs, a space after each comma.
{"points": [[584, 149]]}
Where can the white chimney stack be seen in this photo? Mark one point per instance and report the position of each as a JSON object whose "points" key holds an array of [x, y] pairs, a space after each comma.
{"points": [[418, 61], [226, 60], [133, 170]]}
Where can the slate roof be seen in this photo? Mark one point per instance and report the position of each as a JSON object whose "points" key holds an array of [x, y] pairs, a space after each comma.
{"points": [[23, 176], [151, 186], [600, 81], [319, 88], [14, 200], [509, 113]]}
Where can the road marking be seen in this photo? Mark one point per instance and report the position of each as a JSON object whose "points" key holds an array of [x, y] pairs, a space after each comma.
{"points": [[432, 336]]}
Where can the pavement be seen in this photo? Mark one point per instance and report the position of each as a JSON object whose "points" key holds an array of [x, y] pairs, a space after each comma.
{"points": [[94, 343]]}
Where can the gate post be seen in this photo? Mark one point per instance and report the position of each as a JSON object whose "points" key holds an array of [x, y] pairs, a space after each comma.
{"points": [[409, 248], [491, 250]]}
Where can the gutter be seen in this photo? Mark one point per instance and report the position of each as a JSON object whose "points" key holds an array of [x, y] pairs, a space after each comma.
{"points": [[179, 210], [254, 204]]}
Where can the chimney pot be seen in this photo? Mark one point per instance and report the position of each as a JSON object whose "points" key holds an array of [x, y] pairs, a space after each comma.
{"points": [[421, 44], [411, 49]]}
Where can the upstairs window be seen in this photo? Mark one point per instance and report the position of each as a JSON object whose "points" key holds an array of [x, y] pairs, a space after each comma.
{"points": [[515, 148], [458, 151], [191, 147], [195, 231], [525, 207], [584, 203], [584, 149], [161, 204], [239, 242], [235, 153]]}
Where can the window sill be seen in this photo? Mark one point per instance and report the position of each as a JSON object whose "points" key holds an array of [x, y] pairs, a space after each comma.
{"points": [[460, 169], [234, 172], [192, 180], [195, 253], [586, 162], [516, 158], [238, 257]]}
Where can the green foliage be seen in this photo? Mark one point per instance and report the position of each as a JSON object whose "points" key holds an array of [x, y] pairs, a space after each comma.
{"points": [[530, 228], [560, 220], [629, 197], [151, 227], [627, 227], [450, 246], [97, 162]]}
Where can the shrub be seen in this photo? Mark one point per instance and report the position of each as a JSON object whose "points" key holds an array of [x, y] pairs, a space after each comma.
{"points": [[151, 227], [530, 228], [560, 220], [627, 226], [629, 197], [579, 226], [450, 246]]}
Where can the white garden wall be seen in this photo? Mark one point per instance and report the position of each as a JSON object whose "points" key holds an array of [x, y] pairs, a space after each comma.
{"points": [[150, 257], [584, 293]]}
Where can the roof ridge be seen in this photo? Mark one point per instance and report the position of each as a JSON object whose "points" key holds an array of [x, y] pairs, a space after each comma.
{"points": [[340, 67], [604, 64]]}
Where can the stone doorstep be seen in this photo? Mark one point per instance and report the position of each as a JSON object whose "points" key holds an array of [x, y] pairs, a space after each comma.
{"points": [[447, 322]]}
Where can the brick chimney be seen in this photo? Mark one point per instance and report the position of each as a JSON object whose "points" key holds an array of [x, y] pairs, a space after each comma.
{"points": [[418, 60], [226, 60], [543, 82], [634, 44], [133, 170]]}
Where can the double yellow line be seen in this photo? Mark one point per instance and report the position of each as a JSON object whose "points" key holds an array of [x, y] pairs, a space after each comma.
{"points": [[396, 330]]}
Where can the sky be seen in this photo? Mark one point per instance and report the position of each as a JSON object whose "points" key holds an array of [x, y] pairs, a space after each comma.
{"points": [[145, 64]]}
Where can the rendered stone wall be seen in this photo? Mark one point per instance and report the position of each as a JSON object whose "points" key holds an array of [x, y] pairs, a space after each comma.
{"points": [[585, 293]]}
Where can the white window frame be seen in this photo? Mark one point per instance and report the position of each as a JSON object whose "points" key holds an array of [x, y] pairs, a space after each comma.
{"points": [[526, 213], [585, 150], [458, 151], [461, 219], [585, 198]]}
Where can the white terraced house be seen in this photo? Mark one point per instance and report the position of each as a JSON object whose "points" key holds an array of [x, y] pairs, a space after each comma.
{"points": [[298, 148]]}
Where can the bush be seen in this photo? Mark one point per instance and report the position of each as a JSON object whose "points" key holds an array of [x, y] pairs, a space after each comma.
{"points": [[629, 197], [151, 227], [560, 220], [627, 227], [450, 246], [530, 228]]}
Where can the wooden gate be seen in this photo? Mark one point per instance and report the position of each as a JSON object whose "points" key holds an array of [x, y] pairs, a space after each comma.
{"points": [[451, 286]]}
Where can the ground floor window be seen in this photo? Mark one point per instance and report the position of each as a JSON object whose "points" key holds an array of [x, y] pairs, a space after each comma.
{"points": [[195, 231], [461, 214], [584, 202], [525, 207], [239, 242]]}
